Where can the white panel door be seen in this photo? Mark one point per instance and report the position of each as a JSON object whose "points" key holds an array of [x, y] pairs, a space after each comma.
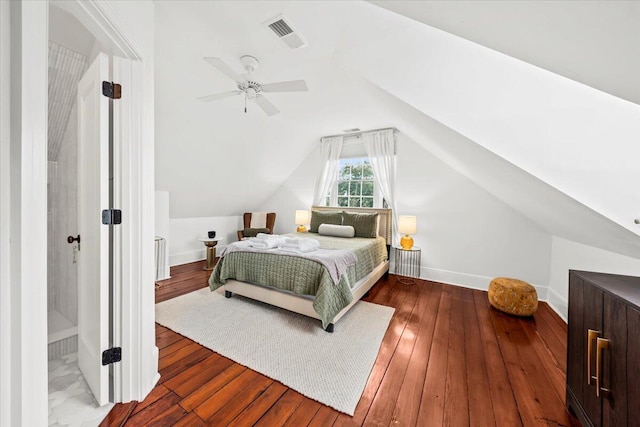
{"points": [[93, 197]]}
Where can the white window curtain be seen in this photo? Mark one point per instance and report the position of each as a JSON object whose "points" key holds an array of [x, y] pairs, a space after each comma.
{"points": [[381, 150], [330, 149]]}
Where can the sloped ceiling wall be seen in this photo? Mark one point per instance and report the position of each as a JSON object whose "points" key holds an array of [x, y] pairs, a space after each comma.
{"points": [[591, 42], [521, 132]]}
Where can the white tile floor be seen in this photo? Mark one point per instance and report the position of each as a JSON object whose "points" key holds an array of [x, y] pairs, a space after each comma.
{"points": [[70, 400]]}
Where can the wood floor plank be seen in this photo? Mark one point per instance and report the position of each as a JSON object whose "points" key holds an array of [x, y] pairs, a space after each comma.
{"points": [[480, 402], [446, 359], [280, 412], [304, 413], [383, 405], [535, 396], [156, 394], [238, 401], [178, 355], [173, 347], [456, 399], [167, 338], [325, 416], [554, 337], [500, 387], [259, 406], [192, 378], [190, 420], [402, 298], [408, 402], [148, 414], [119, 414], [186, 362], [431, 411], [201, 394]]}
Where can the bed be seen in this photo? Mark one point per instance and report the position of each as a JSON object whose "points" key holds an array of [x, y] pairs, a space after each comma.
{"points": [[304, 286]]}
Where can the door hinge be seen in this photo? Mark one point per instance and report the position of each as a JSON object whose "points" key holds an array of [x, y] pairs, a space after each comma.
{"points": [[112, 90], [111, 355], [111, 216]]}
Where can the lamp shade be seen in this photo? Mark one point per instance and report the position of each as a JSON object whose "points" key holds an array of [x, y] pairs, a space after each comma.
{"points": [[407, 224], [302, 217]]}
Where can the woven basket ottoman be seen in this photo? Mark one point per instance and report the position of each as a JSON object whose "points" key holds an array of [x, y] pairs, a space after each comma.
{"points": [[513, 296]]}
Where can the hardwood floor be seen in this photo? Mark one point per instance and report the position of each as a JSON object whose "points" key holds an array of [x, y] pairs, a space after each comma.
{"points": [[447, 358]]}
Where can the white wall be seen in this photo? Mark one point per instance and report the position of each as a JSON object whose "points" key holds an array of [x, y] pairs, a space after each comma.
{"points": [[467, 236], [575, 138], [184, 234], [594, 42], [567, 255]]}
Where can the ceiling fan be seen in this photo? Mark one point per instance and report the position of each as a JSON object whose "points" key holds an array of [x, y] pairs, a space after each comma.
{"points": [[252, 90]]}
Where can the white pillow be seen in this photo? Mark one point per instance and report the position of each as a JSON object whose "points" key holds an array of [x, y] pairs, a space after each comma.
{"points": [[336, 230]]}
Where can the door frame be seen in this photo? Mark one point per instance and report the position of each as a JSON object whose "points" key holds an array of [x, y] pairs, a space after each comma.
{"points": [[23, 200]]}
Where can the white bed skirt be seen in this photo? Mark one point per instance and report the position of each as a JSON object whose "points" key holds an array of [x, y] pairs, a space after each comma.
{"points": [[303, 304]]}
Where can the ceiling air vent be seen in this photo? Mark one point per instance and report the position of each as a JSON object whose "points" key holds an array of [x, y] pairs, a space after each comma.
{"points": [[285, 32]]}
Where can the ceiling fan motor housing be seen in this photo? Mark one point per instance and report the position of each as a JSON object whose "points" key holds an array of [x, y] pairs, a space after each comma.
{"points": [[255, 86]]}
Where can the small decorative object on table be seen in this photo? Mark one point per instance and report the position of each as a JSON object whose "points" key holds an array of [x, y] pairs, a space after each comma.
{"points": [[407, 263], [513, 296]]}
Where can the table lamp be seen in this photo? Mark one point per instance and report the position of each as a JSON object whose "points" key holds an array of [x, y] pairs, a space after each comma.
{"points": [[302, 218], [407, 224]]}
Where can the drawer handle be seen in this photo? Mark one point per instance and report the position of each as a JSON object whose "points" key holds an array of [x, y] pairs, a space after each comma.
{"points": [[592, 335], [601, 345]]}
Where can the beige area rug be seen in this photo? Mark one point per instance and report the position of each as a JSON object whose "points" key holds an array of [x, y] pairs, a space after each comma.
{"points": [[331, 368]]}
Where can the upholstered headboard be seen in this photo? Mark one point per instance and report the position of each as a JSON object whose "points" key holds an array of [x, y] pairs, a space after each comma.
{"points": [[385, 223]]}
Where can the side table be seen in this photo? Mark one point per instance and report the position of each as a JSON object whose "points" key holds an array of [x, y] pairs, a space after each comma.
{"points": [[407, 261], [211, 252]]}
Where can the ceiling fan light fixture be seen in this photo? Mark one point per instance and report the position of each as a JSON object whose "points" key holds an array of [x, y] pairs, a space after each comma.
{"points": [[251, 93]]}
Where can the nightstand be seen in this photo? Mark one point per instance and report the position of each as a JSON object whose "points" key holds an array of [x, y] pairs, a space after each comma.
{"points": [[211, 252], [407, 261]]}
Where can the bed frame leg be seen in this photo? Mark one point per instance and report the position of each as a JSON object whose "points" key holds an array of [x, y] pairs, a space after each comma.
{"points": [[329, 328], [228, 294]]}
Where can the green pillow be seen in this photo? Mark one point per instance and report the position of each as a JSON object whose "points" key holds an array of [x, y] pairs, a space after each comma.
{"points": [[365, 224], [253, 232], [330, 217]]}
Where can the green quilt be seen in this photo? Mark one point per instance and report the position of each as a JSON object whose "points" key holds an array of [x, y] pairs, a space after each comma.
{"points": [[302, 276]]}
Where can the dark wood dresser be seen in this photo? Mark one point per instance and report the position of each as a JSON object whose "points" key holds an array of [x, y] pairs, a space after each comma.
{"points": [[603, 354]]}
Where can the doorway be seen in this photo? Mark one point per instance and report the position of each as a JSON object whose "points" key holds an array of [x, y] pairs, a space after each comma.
{"points": [[78, 293], [126, 30]]}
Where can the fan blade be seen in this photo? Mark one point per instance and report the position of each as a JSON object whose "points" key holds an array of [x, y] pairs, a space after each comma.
{"points": [[292, 86], [219, 95], [225, 69], [266, 106]]}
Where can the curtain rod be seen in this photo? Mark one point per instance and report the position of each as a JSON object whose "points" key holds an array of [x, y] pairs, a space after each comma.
{"points": [[360, 132]]}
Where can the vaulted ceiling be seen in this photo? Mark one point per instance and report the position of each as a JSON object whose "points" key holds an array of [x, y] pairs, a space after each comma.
{"points": [[500, 82]]}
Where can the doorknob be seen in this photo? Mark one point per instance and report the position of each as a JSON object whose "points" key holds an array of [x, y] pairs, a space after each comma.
{"points": [[72, 239]]}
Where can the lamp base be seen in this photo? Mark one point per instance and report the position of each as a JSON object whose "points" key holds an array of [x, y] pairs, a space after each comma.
{"points": [[406, 242], [301, 229]]}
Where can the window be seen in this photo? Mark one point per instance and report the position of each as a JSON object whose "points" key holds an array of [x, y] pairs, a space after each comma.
{"points": [[356, 184]]}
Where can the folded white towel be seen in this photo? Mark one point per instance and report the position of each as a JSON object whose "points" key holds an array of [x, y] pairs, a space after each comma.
{"points": [[300, 245], [265, 243], [258, 220], [297, 250], [268, 236]]}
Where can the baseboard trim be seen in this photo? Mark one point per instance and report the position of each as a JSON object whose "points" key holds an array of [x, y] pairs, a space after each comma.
{"points": [[558, 304], [191, 256], [467, 280], [186, 257]]}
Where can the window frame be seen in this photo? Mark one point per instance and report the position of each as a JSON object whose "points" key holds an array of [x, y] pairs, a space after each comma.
{"points": [[332, 198]]}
